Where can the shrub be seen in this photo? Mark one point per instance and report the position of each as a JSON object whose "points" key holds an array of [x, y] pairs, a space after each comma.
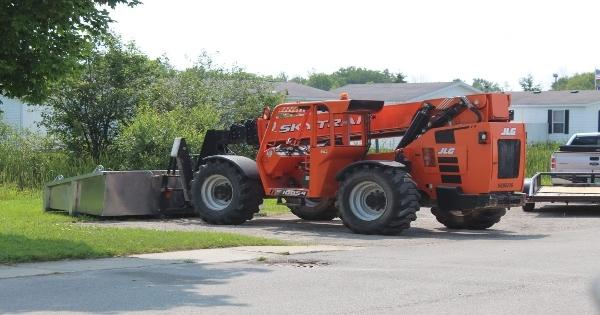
{"points": [[146, 142]]}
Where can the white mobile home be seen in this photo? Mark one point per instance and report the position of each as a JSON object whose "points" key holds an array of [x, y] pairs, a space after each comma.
{"points": [[553, 116], [20, 115]]}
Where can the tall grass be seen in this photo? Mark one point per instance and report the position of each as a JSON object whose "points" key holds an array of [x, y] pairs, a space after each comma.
{"points": [[28, 160], [538, 157], [26, 171]]}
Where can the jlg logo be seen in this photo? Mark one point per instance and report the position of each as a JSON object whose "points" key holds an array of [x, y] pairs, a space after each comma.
{"points": [[509, 132], [446, 151]]}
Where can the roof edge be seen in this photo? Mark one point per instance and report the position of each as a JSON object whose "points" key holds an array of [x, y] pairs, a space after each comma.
{"points": [[454, 84]]}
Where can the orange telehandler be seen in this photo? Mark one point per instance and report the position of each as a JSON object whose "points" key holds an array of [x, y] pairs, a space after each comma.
{"points": [[461, 156]]}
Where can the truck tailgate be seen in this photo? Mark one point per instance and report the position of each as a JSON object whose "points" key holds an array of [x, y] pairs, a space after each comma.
{"points": [[576, 161]]}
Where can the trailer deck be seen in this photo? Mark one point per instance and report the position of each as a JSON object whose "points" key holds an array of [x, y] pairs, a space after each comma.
{"points": [[567, 187]]}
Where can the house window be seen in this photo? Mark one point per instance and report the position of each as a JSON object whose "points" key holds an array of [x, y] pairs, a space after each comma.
{"points": [[558, 121]]}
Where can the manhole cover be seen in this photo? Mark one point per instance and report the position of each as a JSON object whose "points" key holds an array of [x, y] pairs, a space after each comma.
{"points": [[298, 263]]}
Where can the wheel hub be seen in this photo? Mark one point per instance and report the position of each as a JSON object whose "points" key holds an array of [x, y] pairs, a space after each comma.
{"points": [[376, 200], [223, 192], [367, 201], [217, 192]]}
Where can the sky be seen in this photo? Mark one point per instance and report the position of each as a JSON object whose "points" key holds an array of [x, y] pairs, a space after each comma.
{"points": [[429, 41]]}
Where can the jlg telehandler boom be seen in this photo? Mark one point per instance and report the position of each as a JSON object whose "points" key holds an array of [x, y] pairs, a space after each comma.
{"points": [[462, 156]]}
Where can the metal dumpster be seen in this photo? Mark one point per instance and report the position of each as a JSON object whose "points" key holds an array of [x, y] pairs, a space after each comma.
{"points": [[112, 193]]}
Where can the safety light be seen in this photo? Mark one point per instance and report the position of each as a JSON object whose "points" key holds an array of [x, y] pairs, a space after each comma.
{"points": [[483, 137], [428, 157]]}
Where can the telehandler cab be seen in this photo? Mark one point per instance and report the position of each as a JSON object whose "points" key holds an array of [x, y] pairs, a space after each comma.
{"points": [[461, 156]]}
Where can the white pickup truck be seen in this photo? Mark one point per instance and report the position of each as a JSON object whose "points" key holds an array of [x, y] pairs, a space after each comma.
{"points": [[574, 174], [580, 154]]}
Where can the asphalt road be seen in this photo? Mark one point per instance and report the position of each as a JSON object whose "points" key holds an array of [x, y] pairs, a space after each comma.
{"points": [[530, 263]]}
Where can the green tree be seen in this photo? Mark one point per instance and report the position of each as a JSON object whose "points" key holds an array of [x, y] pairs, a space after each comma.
{"points": [[354, 75], [322, 81], [281, 77], [350, 75], [145, 143], [299, 80], [578, 81], [400, 78], [234, 93], [528, 84], [187, 103], [88, 108], [43, 41], [485, 85]]}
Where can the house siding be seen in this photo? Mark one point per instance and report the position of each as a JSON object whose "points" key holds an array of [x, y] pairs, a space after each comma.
{"points": [[31, 116], [582, 118], [12, 112], [20, 115]]}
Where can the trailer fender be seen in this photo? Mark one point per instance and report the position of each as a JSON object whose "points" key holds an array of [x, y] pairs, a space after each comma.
{"points": [[245, 165], [383, 163], [526, 185]]}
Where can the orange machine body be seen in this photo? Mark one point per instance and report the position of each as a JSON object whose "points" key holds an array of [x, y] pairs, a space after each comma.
{"points": [[304, 145]]}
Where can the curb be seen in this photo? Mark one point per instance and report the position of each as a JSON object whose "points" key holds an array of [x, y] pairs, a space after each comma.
{"points": [[199, 256]]}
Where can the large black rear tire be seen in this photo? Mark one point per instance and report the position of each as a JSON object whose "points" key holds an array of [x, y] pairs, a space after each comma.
{"points": [[221, 194], [475, 219], [315, 210], [378, 200]]}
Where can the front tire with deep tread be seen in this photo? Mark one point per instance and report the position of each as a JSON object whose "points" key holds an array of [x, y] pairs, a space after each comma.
{"points": [[390, 191], [475, 219], [243, 199]]}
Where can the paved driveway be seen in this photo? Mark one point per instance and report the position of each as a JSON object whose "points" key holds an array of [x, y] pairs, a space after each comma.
{"points": [[530, 263]]}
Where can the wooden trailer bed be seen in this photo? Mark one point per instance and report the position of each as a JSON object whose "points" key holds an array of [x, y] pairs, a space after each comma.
{"points": [[583, 192]]}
